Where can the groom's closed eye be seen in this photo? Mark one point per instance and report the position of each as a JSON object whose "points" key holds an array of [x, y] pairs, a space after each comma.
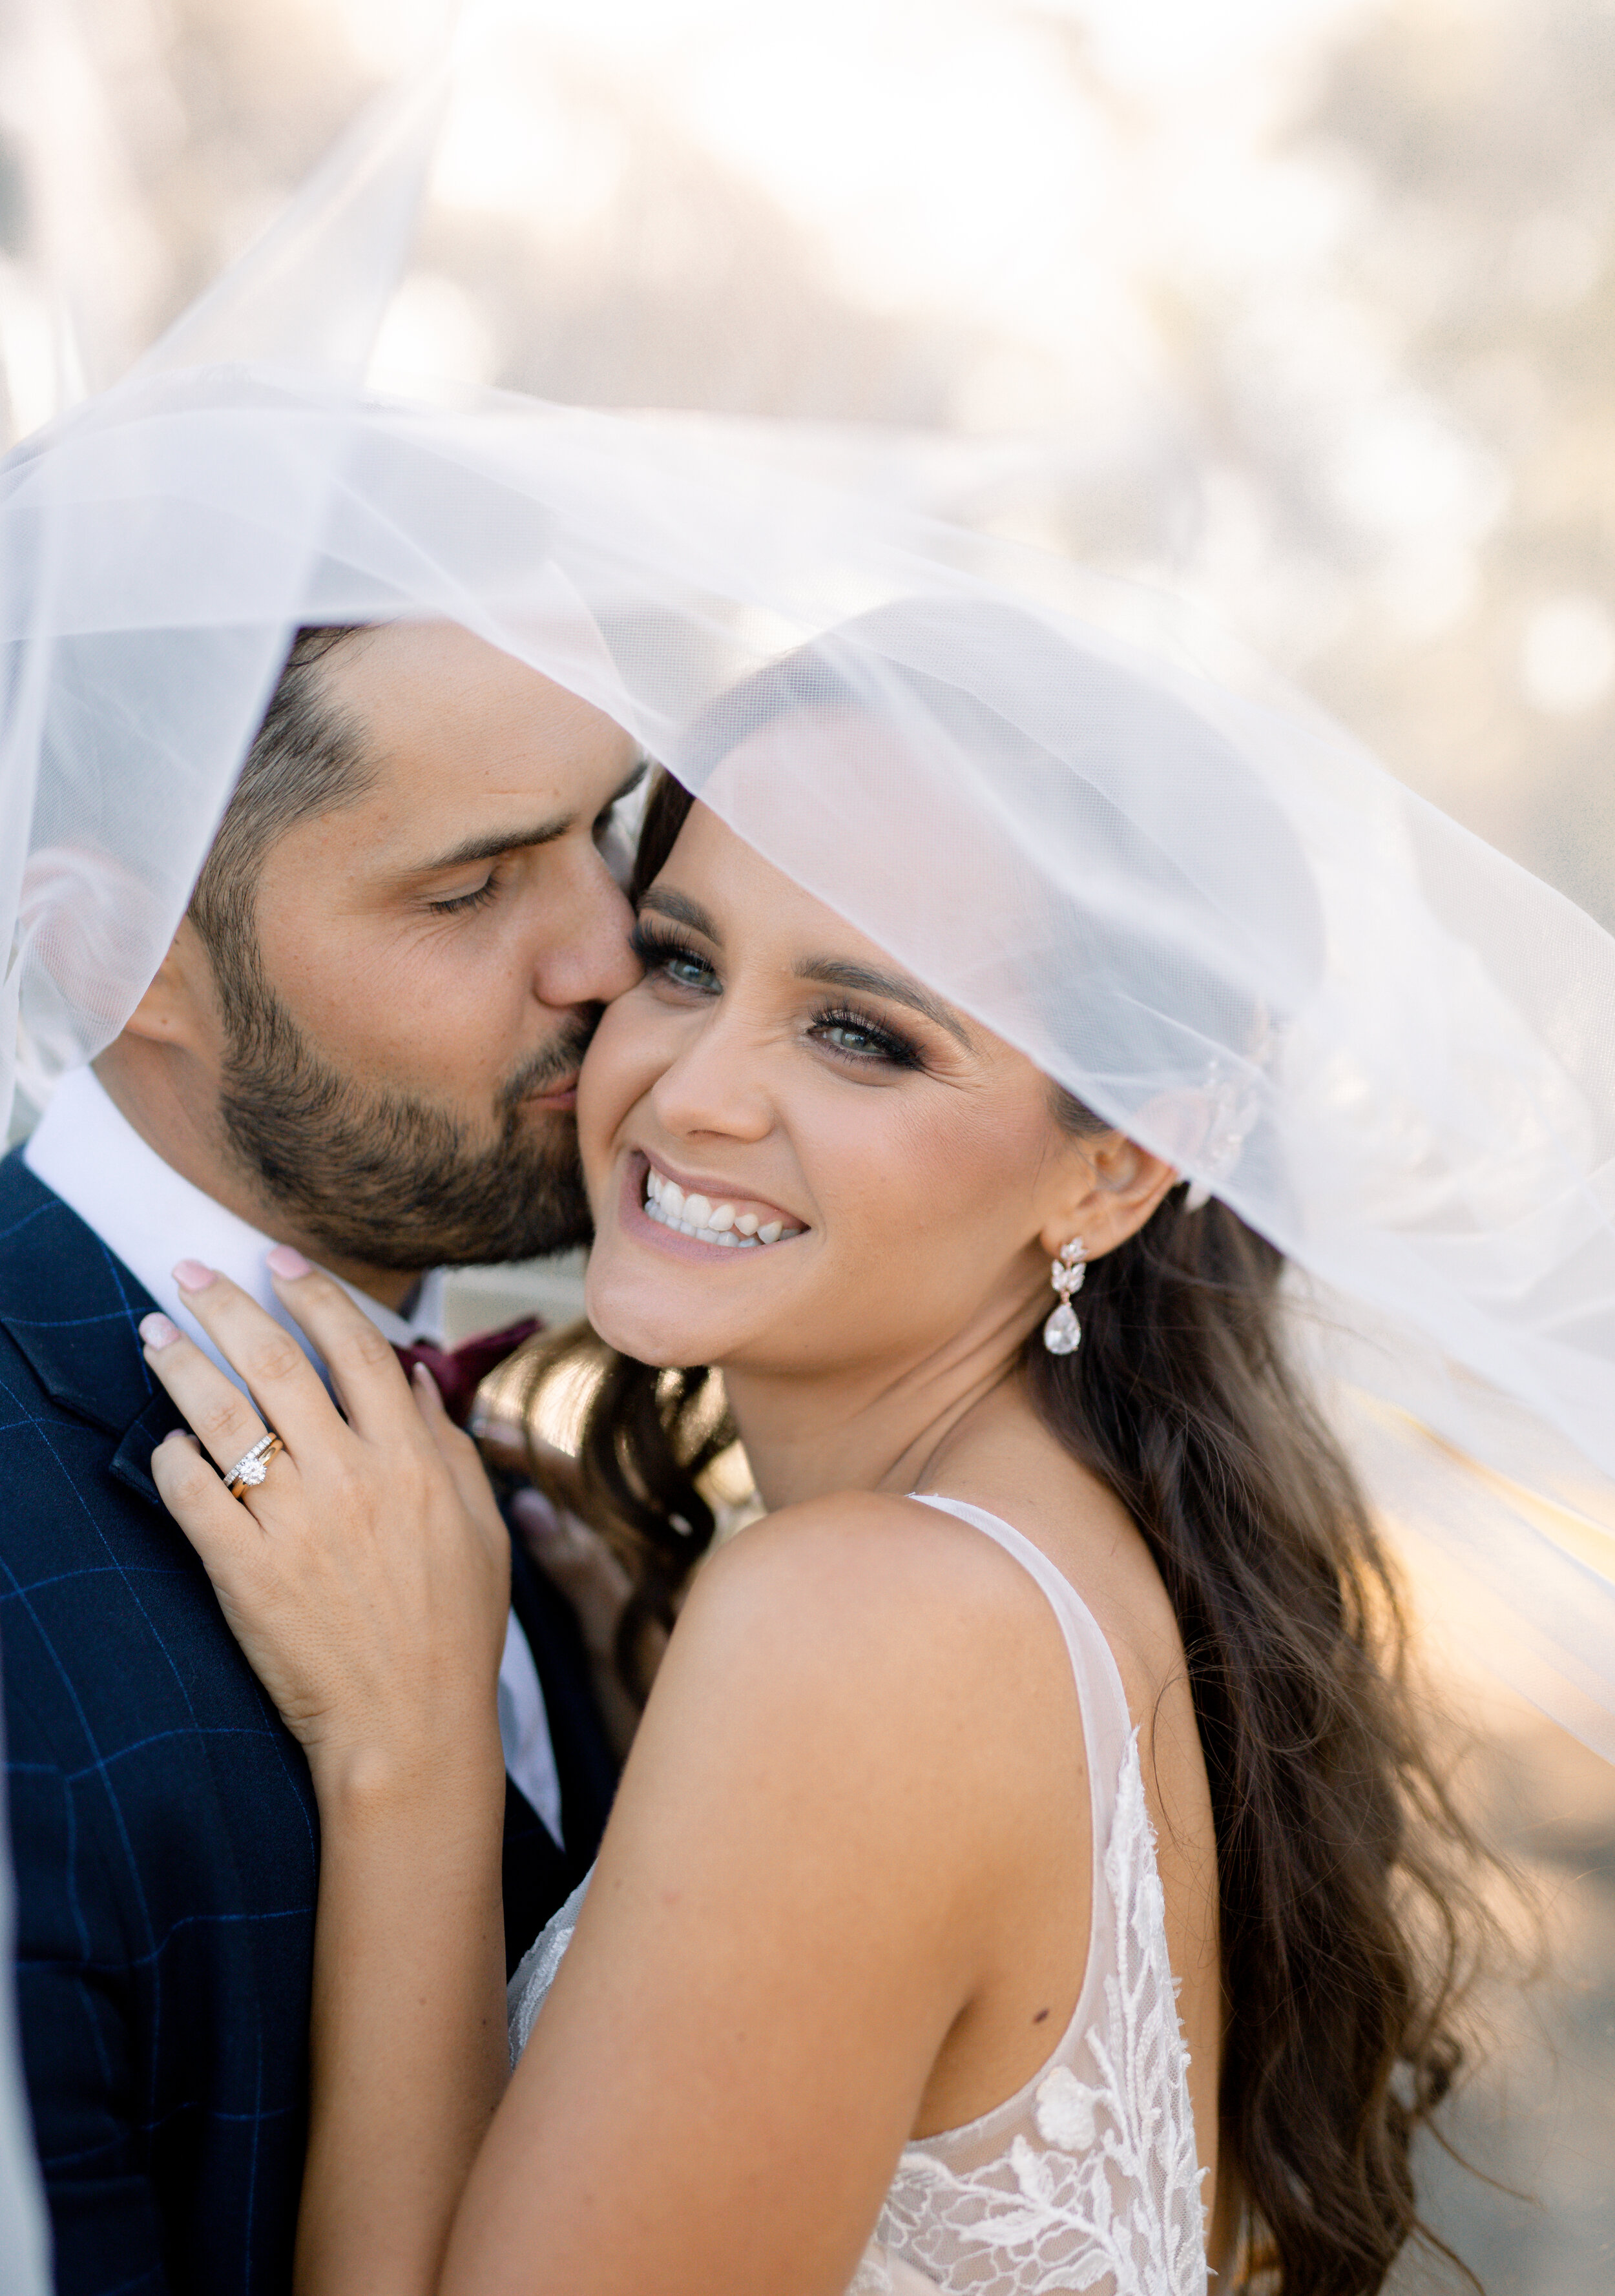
{"points": [[496, 845], [460, 902]]}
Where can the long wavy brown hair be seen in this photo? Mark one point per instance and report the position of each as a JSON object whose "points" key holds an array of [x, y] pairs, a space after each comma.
{"points": [[1352, 1918]]}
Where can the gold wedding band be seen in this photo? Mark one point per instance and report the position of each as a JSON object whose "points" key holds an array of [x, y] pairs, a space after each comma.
{"points": [[253, 1465]]}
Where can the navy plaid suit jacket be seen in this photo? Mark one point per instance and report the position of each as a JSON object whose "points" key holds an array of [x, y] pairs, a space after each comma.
{"points": [[163, 1823]]}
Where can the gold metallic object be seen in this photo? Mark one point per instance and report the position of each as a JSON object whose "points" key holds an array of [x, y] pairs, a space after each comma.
{"points": [[253, 1465]]}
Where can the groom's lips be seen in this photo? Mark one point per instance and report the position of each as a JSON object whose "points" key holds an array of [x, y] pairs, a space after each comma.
{"points": [[557, 1096]]}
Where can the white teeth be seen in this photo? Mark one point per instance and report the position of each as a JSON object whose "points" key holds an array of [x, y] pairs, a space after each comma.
{"points": [[666, 1203]]}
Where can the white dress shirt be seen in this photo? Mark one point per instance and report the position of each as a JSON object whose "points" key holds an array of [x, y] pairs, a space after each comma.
{"points": [[149, 1216]]}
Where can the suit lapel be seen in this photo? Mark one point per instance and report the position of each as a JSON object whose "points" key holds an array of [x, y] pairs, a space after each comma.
{"points": [[73, 1308], [132, 1460]]}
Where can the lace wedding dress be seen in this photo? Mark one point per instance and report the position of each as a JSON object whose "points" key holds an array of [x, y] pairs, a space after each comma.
{"points": [[1084, 2183]]}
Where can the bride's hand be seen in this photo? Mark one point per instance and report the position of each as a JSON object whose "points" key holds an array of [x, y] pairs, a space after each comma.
{"points": [[367, 1577]]}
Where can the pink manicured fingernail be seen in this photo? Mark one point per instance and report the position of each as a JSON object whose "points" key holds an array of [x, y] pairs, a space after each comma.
{"points": [[158, 1332], [191, 1275], [283, 1261]]}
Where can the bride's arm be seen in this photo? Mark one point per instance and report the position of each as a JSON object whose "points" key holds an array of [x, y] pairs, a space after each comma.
{"points": [[818, 1833], [795, 1904], [367, 1579], [407, 2030]]}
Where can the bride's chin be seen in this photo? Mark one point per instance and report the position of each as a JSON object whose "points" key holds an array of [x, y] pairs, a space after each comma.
{"points": [[626, 1320]]}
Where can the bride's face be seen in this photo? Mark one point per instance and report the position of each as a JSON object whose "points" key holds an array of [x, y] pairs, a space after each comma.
{"points": [[875, 1176]]}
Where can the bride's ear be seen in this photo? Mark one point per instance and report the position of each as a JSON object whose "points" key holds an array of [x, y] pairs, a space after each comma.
{"points": [[1113, 1186]]}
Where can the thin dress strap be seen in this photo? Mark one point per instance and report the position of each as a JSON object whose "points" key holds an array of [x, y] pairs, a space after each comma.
{"points": [[1108, 1742], [1106, 1723], [1086, 2178]]}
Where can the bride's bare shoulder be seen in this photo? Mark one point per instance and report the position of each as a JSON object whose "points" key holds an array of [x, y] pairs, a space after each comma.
{"points": [[862, 1583], [869, 1638], [859, 1548]]}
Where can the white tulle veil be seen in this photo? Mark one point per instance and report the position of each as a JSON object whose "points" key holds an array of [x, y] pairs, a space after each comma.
{"points": [[1197, 903]]}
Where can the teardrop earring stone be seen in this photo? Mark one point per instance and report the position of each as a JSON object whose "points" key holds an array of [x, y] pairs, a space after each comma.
{"points": [[1063, 1333]]}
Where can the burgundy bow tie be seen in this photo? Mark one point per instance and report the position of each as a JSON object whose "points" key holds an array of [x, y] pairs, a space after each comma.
{"points": [[459, 1371]]}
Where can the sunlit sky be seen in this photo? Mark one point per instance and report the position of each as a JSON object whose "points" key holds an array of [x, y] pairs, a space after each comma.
{"points": [[1043, 176], [1034, 172], [945, 155]]}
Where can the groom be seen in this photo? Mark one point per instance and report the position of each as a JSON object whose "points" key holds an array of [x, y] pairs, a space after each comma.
{"points": [[363, 1041]]}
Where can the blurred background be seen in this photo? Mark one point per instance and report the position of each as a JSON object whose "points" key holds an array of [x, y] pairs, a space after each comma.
{"points": [[1301, 310], [1301, 306]]}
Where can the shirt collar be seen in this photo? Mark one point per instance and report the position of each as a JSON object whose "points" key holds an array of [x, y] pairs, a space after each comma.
{"points": [[151, 1216]]}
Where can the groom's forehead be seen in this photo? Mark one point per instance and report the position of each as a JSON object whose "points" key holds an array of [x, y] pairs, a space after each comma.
{"points": [[446, 721], [434, 690]]}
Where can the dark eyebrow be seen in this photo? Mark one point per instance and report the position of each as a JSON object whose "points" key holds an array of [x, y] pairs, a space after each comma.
{"points": [[682, 911], [895, 988], [514, 841]]}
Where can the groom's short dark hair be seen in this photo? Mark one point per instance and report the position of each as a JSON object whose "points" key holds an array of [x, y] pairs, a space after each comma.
{"points": [[306, 758]]}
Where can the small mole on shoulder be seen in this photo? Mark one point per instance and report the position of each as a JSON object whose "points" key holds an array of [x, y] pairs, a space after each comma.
{"points": [[1038, 2019]]}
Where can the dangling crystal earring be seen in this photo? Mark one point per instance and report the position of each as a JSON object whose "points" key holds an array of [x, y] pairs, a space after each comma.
{"points": [[1062, 1333]]}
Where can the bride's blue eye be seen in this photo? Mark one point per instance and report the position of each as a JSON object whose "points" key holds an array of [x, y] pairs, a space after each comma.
{"points": [[857, 1038], [671, 960]]}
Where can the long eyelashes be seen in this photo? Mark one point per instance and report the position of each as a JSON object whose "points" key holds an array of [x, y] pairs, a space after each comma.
{"points": [[879, 1042], [461, 902], [851, 1036], [605, 830], [660, 951]]}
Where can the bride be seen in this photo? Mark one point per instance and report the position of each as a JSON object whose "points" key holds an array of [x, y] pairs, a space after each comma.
{"points": [[1031, 1873]]}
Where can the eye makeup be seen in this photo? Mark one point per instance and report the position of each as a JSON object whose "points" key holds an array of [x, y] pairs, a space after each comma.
{"points": [[667, 958]]}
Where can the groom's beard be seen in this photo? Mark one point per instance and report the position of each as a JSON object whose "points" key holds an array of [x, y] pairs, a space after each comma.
{"points": [[388, 1180]]}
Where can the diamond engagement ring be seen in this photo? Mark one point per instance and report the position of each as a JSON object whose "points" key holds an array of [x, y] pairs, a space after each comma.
{"points": [[253, 1465]]}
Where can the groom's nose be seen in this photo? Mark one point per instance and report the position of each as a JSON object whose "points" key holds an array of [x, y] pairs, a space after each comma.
{"points": [[584, 956]]}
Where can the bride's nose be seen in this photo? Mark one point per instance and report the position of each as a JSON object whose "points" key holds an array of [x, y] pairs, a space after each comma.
{"points": [[715, 1085]]}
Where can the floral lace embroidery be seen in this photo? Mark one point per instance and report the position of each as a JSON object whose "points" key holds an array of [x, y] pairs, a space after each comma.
{"points": [[529, 1989], [1111, 2199]]}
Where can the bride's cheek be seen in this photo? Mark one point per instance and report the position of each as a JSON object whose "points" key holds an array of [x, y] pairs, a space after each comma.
{"points": [[606, 1089]]}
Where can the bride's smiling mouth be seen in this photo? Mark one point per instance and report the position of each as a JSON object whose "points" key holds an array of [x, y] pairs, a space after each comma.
{"points": [[699, 1218]]}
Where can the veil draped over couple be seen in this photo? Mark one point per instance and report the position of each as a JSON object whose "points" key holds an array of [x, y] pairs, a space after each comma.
{"points": [[1109, 1154]]}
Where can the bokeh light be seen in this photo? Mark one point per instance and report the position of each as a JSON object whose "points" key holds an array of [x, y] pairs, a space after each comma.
{"points": [[1299, 308]]}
